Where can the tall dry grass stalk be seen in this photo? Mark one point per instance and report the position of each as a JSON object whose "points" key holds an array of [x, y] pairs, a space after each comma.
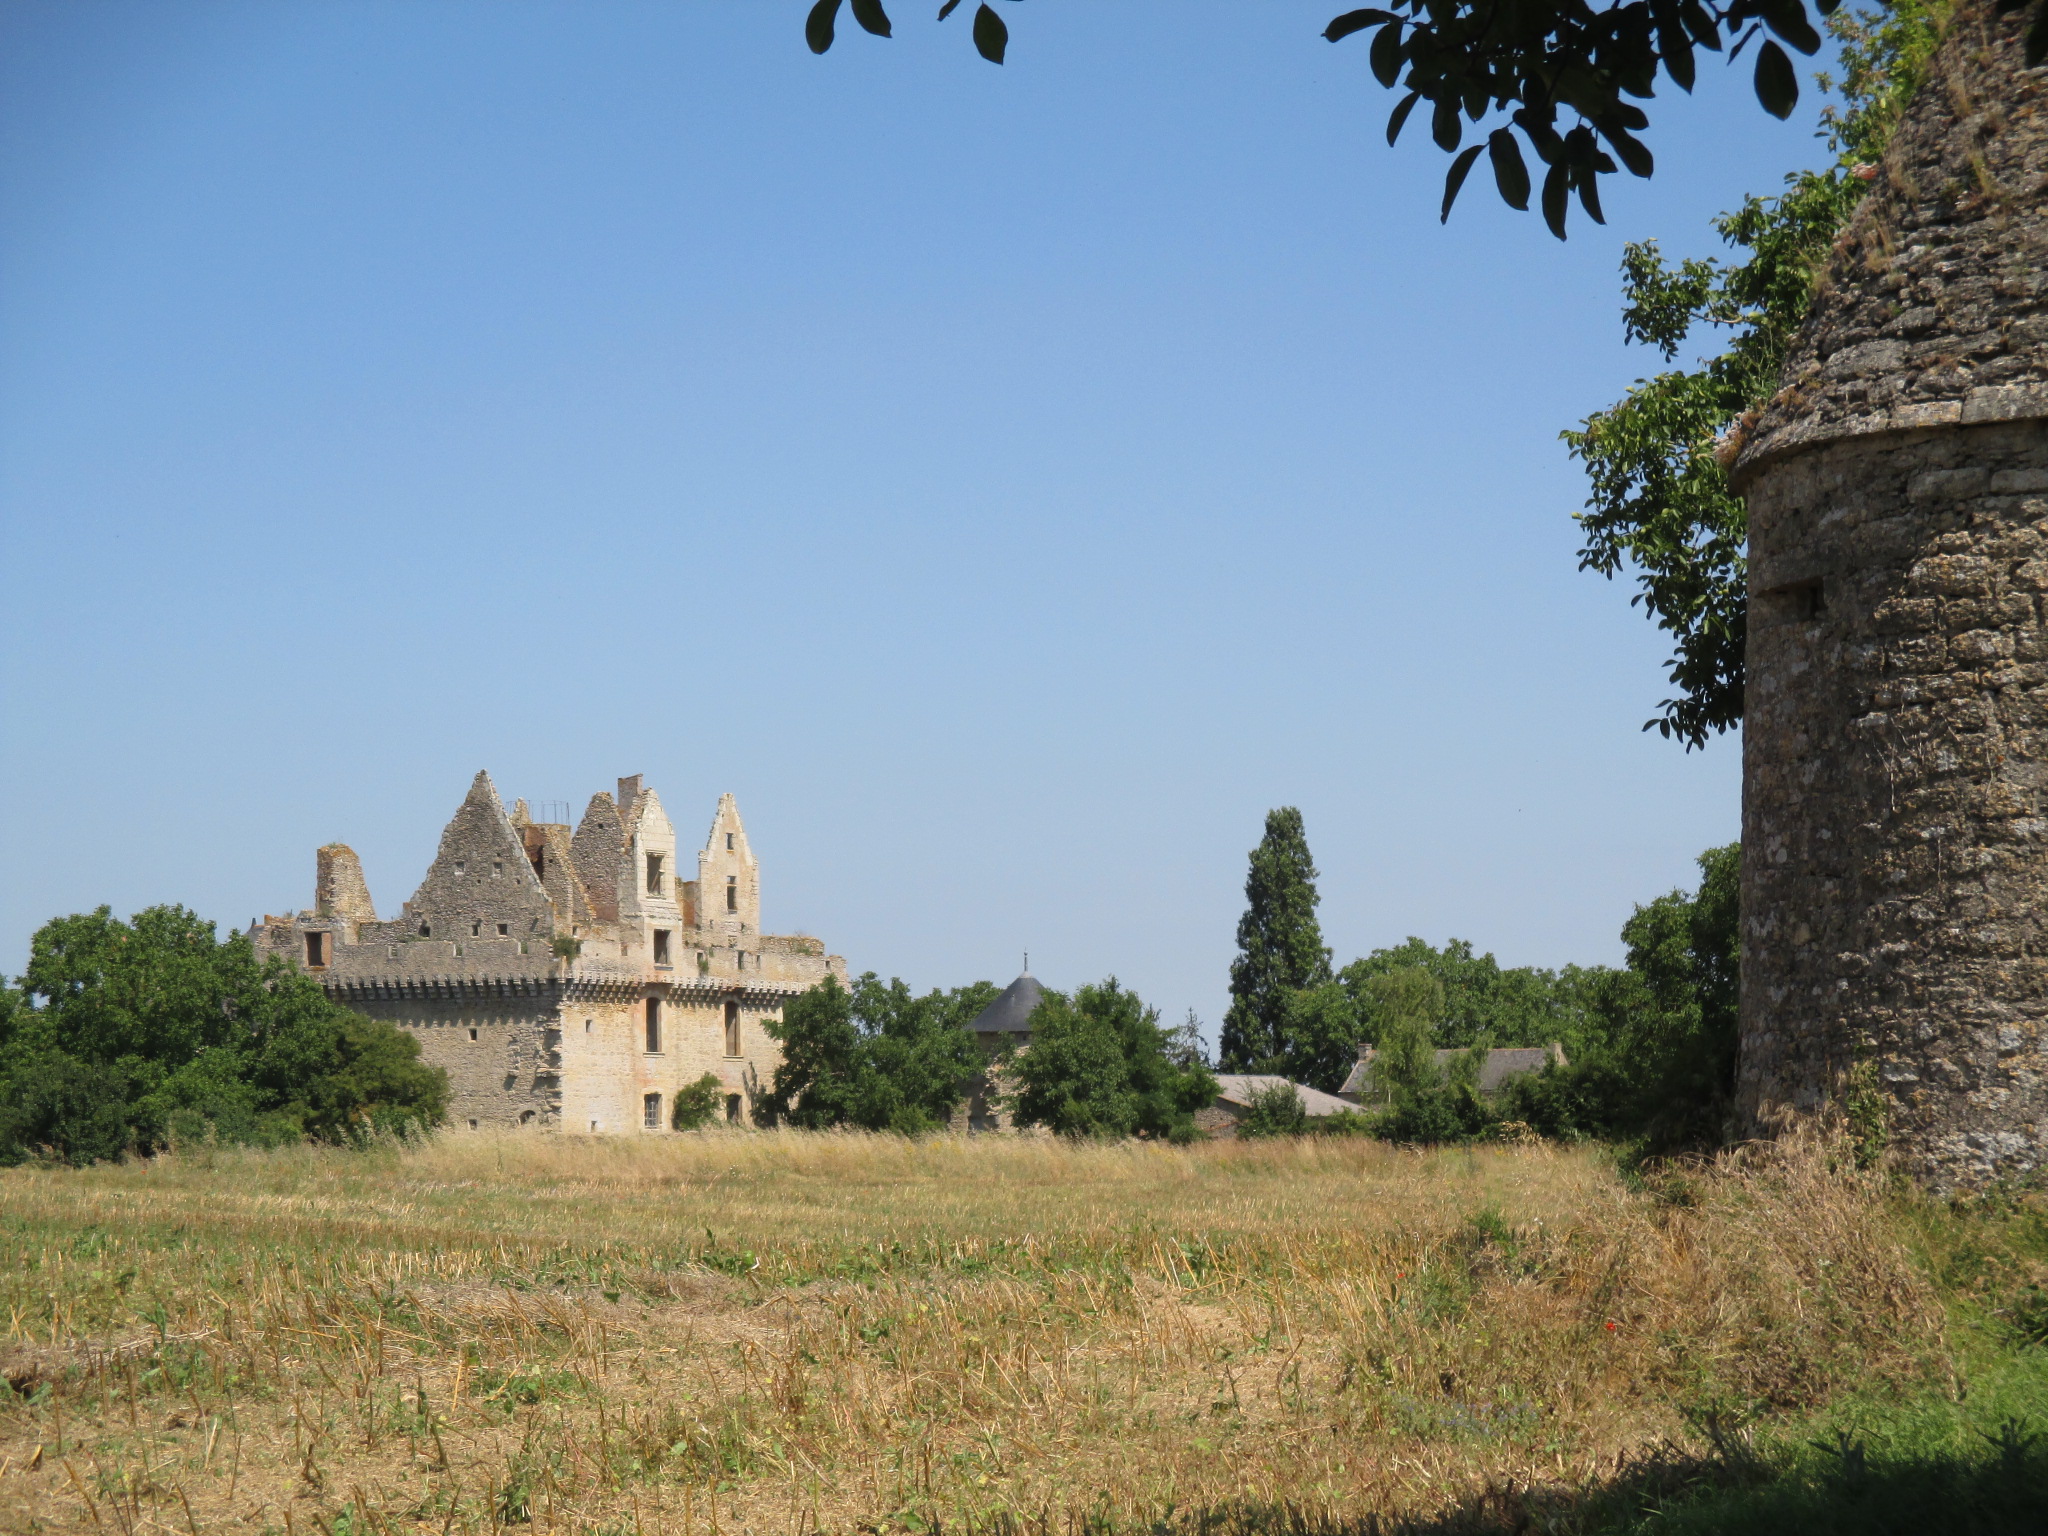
{"points": [[769, 1333]]}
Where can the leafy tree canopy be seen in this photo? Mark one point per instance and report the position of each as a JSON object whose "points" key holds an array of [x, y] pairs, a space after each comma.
{"points": [[1564, 78], [124, 1035], [876, 1057], [1482, 999], [1660, 501], [1099, 1064], [1279, 947]]}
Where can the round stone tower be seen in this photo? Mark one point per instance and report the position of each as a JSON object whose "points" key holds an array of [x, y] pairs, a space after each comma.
{"points": [[1895, 748]]}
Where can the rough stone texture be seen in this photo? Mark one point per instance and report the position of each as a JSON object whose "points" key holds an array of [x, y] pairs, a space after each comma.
{"points": [[1895, 751], [558, 1039], [339, 889]]}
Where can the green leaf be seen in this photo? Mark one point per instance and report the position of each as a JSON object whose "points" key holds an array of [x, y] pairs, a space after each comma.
{"points": [[1445, 127], [948, 8], [1386, 54], [1354, 21], [1787, 18], [1557, 188], [1460, 168], [818, 25], [1635, 154], [1777, 87], [991, 37], [1510, 174], [1399, 119], [1589, 193], [871, 16]]}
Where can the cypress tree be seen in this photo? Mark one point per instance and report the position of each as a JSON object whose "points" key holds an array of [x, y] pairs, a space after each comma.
{"points": [[1279, 946]]}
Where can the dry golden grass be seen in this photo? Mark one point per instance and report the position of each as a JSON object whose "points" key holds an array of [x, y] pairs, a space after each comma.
{"points": [[764, 1333]]}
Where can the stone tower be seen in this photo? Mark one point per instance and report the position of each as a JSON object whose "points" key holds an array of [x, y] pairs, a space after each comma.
{"points": [[1895, 749]]}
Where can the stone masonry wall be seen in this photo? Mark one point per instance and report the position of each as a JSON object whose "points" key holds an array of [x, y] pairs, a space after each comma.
{"points": [[1895, 826], [1895, 738]]}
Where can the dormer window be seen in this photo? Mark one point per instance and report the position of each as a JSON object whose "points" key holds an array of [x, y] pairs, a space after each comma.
{"points": [[654, 874]]}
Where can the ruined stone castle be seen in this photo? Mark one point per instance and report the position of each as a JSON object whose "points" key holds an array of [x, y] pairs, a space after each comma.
{"points": [[566, 981], [1895, 739]]}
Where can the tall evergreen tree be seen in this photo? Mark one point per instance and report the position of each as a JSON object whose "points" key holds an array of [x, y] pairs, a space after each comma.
{"points": [[1279, 947]]}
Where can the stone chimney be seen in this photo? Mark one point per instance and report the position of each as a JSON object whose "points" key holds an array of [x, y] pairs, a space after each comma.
{"points": [[1895, 738]]}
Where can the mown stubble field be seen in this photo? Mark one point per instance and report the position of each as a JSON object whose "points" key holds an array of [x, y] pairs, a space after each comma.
{"points": [[775, 1333]]}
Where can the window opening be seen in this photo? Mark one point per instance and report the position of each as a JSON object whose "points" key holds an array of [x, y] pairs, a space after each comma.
{"points": [[654, 874], [472, 1125], [587, 1024], [504, 930], [476, 930], [728, 842], [661, 946], [732, 1108], [472, 1031], [526, 1117], [497, 866], [460, 865], [650, 1111], [732, 893], [425, 931], [316, 949], [732, 1029], [654, 1024]]}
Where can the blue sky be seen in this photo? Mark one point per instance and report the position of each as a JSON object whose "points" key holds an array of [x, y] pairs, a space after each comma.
{"points": [[1009, 482]]}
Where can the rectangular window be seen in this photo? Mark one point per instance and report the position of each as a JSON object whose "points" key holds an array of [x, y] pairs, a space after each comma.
{"points": [[472, 1031], [461, 865], [650, 1111], [732, 893], [654, 874], [732, 1108], [661, 946], [316, 948], [732, 1029], [728, 842], [654, 1024], [504, 930]]}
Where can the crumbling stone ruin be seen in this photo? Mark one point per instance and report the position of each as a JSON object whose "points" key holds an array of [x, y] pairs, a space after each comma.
{"points": [[565, 981], [1895, 752]]}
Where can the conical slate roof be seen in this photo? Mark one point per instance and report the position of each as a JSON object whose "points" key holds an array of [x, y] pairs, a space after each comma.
{"points": [[1010, 1014]]}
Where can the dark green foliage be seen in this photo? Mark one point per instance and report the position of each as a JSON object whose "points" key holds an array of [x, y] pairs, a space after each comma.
{"points": [[1481, 998], [1417, 1100], [1319, 1036], [1274, 1111], [877, 1057], [1660, 499], [699, 1104], [1100, 1065], [132, 1034], [1279, 948], [1660, 1070], [1565, 76]]}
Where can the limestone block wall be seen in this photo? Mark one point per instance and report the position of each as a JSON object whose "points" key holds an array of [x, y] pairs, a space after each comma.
{"points": [[499, 1052]]}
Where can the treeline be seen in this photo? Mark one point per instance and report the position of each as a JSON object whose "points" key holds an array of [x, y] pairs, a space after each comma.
{"points": [[124, 1037], [876, 1057], [1650, 1045]]}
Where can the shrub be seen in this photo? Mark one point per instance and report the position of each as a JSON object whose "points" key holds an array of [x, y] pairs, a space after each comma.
{"points": [[699, 1104], [1274, 1111]]}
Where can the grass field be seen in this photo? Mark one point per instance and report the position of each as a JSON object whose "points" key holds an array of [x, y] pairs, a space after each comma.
{"points": [[734, 1333]]}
